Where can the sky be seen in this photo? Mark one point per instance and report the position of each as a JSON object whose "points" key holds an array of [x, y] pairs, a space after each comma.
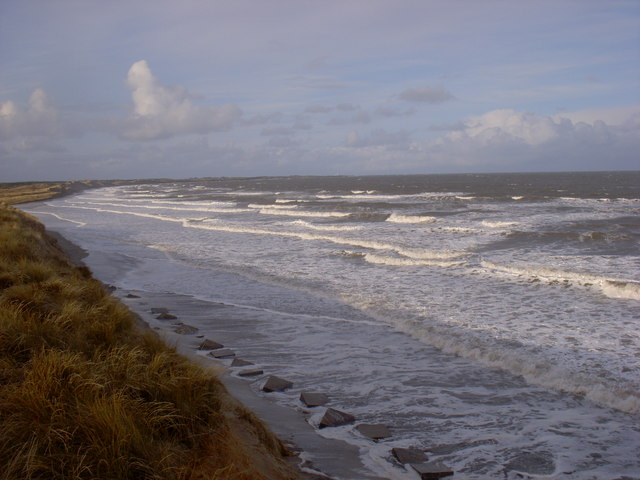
{"points": [[94, 89]]}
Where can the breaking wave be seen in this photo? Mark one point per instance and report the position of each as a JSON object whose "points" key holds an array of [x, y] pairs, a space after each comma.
{"points": [[613, 288], [301, 213], [343, 228], [405, 262], [397, 218], [514, 357], [490, 224]]}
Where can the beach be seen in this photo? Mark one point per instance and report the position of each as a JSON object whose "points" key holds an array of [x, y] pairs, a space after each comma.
{"points": [[467, 319], [319, 457], [90, 391]]}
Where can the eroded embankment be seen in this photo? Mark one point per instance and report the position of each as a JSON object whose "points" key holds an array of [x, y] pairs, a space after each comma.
{"points": [[86, 393]]}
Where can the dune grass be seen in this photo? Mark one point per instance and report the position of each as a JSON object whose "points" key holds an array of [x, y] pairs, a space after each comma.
{"points": [[85, 393]]}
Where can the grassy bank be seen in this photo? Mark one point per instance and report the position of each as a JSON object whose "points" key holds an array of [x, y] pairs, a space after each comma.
{"points": [[85, 393], [23, 192], [15, 193]]}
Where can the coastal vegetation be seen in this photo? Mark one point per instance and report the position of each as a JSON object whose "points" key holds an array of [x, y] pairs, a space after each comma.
{"points": [[23, 192], [87, 392]]}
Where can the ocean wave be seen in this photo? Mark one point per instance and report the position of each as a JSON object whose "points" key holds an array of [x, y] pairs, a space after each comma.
{"points": [[591, 201], [414, 253], [325, 227], [514, 357], [210, 224], [368, 217], [590, 236], [59, 217], [397, 218], [465, 230], [613, 288], [173, 208], [405, 262], [301, 213], [274, 207], [497, 224]]}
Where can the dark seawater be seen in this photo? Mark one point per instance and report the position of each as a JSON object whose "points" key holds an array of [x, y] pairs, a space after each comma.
{"points": [[492, 319]]}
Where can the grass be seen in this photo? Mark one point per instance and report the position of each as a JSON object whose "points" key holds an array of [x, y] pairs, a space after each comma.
{"points": [[85, 394]]}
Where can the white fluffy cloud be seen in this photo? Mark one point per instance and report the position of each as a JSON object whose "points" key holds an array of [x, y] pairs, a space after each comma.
{"points": [[500, 127], [39, 117], [164, 111], [502, 140]]}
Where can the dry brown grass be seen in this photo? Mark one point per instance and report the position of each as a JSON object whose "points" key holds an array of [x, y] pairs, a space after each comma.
{"points": [[30, 192], [84, 394]]}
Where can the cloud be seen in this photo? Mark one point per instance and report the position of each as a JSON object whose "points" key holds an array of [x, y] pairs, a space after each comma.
{"points": [[517, 141], [510, 124], [377, 137], [39, 118], [499, 140], [263, 119], [347, 107], [316, 82], [318, 109], [426, 95], [357, 118], [269, 131], [394, 112], [164, 111]]}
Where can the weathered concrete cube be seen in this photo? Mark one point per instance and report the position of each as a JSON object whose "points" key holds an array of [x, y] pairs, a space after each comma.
{"points": [[185, 330], [210, 345], [375, 431], [432, 470], [312, 399], [409, 455], [336, 418], [250, 373], [222, 353], [238, 362], [276, 384]]}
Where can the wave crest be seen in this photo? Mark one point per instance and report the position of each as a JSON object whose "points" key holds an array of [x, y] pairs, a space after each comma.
{"points": [[397, 218]]}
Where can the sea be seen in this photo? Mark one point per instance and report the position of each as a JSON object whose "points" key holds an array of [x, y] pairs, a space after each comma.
{"points": [[492, 320]]}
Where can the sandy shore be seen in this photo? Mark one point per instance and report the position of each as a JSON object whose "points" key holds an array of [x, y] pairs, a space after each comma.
{"points": [[320, 457]]}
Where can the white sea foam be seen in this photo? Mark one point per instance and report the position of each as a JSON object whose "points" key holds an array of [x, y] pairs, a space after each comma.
{"points": [[271, 207], [405, 262], [171, 206], [611, 287], [415, 253], [60, 217], [327, 227], [204, 223], [498, 224], [536, 370], [301, 213], [397, 218]]}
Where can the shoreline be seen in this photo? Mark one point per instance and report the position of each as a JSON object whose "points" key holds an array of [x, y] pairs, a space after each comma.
{"points": [[87, 391], [321, 458]]}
